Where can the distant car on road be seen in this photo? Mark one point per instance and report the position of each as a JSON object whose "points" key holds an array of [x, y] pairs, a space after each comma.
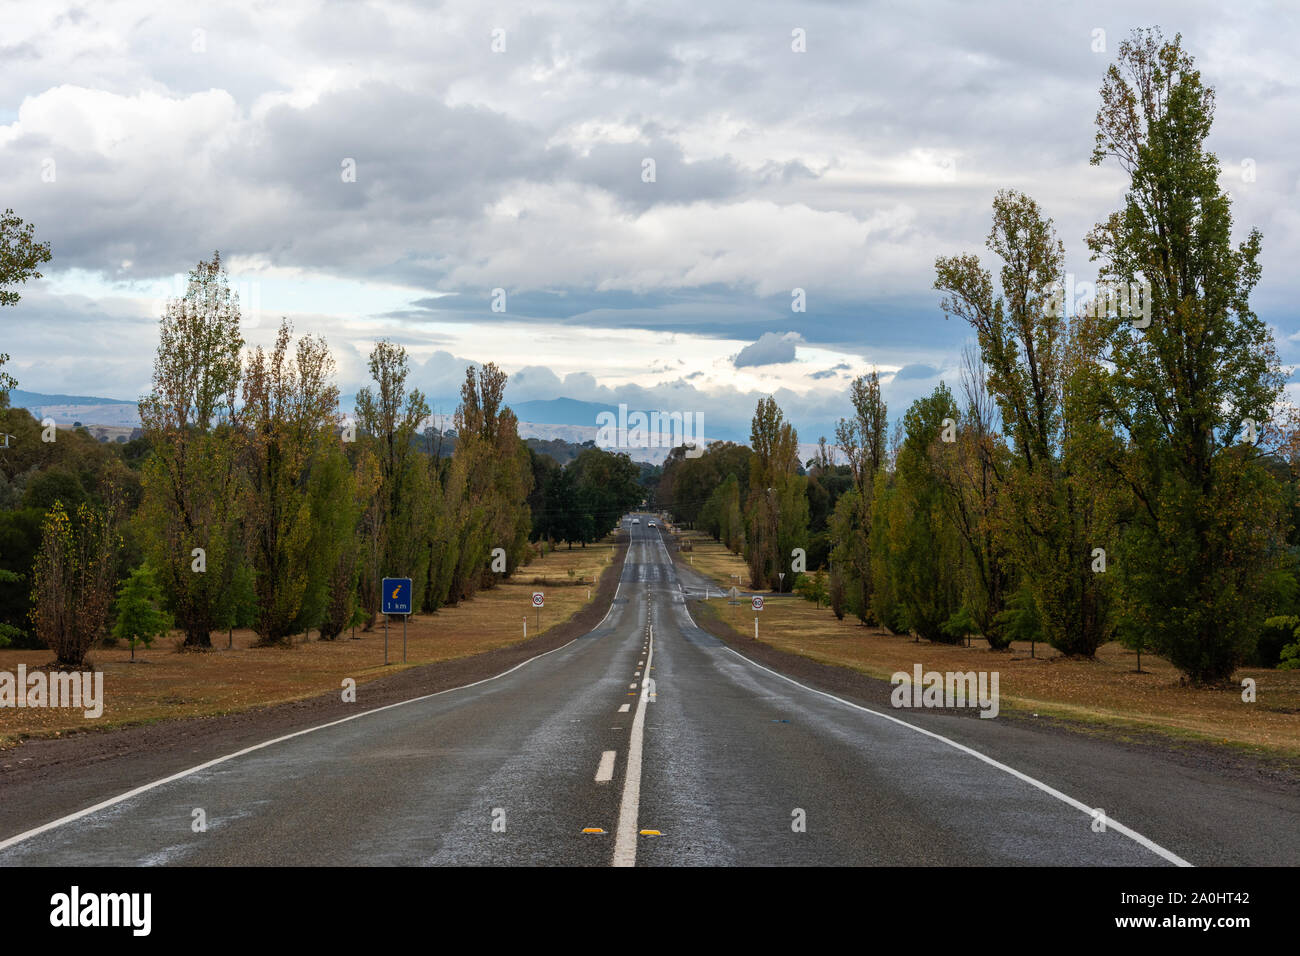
{"points": [[652, 524], [636, 520]]}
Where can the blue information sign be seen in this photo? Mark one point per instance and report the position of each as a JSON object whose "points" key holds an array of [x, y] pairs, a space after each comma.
{"points": [[397, 596]]}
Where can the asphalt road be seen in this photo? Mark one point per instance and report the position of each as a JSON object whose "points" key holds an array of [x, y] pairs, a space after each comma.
{"points": [[571, 758]]}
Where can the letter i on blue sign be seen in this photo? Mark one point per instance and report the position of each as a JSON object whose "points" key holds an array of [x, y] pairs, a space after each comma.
{"points": [[397, 596]]}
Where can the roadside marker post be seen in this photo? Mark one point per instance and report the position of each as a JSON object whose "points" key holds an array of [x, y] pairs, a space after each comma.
{"points": [[397, 600], [757, 604]]}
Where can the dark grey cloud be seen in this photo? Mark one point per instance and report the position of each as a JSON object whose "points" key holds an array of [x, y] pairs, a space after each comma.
{"points": [[835, 371], [770, 349], [618, 168], [917, 370]]}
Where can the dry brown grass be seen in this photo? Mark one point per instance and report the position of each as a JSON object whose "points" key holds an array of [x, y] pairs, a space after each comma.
{"points": [[163, 684], [1105, 693], [711, 558]]}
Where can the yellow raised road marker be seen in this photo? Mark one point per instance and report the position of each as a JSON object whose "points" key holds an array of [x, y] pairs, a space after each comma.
{"points": [[592, 830], [651, 833]]}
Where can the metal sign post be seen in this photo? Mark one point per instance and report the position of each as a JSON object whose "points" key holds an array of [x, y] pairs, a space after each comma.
{"points": [[397, 600], [539, 601], [757, 604]]}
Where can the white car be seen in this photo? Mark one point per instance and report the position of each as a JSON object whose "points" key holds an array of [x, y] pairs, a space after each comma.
{"points": [[652, 524], [636, 520]]}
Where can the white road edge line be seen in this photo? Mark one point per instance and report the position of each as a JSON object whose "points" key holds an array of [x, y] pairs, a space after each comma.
{"points": [[605, 772], [617, 588], [630, 806], [112, 801], [1111, 823]]}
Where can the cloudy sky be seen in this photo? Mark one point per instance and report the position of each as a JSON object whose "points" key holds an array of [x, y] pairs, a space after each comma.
{"points": [[377, 170]]}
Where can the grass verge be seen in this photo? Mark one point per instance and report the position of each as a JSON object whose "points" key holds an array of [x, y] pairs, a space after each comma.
{"points": [[165, 685], [1102, 695]]}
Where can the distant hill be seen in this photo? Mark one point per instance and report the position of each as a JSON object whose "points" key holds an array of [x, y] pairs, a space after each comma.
{"points": [[560, 411], [67, 409], [557, 427], [22, 399]]}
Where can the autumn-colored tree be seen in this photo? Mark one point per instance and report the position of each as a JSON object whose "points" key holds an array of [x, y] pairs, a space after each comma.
{"points": [[448, 519], [191, 509], [863, 440], [389, 419], [1029, 349], [337, 502], [968, 469], [497, 479], [777, 510], [1191, 389], [73, 577], [290, 416], [370, 532]]}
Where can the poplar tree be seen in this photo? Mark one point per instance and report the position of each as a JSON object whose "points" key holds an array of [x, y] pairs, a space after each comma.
{"points": [[193, 480], [1054, 520], [1193, 389], [290, 414], [777, 513], [389, 421]]}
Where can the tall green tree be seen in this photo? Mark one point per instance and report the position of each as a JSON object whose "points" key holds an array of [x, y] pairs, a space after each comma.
{"points": [[290, 415], [389, 419], [1034, 364], [1192, 389], [497, 478], [968, 468], [193, 480], [20, 259], [924, 551], [862, 439], [336, 500], [777, 512]]}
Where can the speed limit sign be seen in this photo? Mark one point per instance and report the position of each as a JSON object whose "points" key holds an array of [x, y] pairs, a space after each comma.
{"points": [[538, 600], [757, 602]]}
